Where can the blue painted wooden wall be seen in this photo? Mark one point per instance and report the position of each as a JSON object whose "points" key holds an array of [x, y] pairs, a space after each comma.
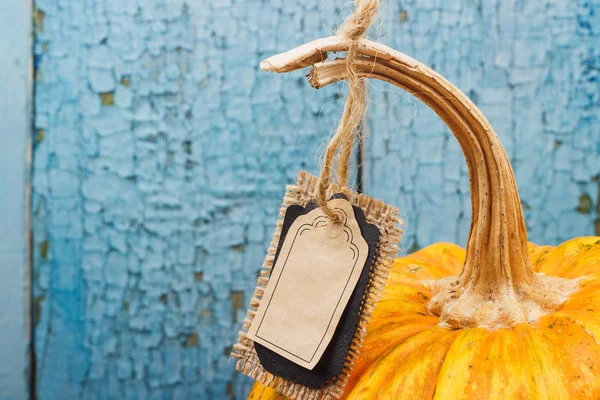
{"points": [[161, 153]]}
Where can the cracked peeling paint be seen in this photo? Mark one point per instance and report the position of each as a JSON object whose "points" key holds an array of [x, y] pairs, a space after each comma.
{"points": [[163, 153], [159, 170]]}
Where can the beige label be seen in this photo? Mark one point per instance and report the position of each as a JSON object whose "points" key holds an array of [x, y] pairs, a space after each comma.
{"points": [[316, 271]]}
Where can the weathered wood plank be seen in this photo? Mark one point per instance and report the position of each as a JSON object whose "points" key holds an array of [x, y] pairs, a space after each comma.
{"points": [[15, 116], [161, 158]]}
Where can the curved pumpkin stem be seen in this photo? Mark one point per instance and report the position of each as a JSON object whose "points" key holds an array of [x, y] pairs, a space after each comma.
{"points": [[497, 287]]}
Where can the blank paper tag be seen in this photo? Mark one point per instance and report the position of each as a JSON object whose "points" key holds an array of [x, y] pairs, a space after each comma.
{"points": [[314, 276]]}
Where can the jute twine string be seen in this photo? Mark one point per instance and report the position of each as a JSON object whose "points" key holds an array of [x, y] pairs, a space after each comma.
{"points": [[340, 145]]}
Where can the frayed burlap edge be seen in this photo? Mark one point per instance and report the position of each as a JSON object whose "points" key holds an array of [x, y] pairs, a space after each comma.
{"points": [[385, 217]]}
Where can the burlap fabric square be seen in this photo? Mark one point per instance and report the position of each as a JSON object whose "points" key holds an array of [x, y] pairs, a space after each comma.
{"points": [[385, 217]]}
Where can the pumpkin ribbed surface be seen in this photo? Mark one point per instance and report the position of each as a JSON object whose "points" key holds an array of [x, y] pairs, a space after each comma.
{"points": [[406, 355]]}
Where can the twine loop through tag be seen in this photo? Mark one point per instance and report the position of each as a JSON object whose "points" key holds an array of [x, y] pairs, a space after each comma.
{"points": [[330, 228], [340, 145]]}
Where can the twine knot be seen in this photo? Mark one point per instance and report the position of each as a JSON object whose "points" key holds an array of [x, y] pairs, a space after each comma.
{"points": [[340, 146]]}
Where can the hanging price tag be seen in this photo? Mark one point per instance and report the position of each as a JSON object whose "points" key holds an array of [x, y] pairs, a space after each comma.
{"points": [[317, 269]]}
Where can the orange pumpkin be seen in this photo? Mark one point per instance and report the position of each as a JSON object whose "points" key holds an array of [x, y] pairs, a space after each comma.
{"points": [[502, 319], [407, 355]]}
